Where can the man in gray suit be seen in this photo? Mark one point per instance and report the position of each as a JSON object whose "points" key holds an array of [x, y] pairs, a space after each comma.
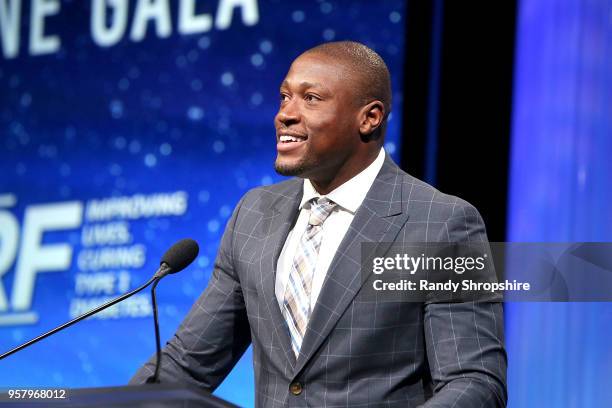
{"points": [[287, 278]]}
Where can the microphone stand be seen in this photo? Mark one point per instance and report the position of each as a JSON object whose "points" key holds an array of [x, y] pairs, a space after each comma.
{"points": [[180, 255], [155, 377], [162, 271]]}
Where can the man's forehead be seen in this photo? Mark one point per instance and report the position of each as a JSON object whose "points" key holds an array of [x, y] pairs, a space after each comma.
{"points": [[317, 60], [318, 71]]}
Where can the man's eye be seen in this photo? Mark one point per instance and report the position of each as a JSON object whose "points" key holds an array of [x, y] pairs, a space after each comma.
{"points": [[311, 98], [284, 97]]}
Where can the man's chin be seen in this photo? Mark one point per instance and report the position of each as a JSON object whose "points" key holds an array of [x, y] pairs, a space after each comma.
{"points": [[289, 169]]}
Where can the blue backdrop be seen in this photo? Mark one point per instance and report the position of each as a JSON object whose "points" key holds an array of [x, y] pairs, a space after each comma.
{"points": [[560, 355], [123, 129]]}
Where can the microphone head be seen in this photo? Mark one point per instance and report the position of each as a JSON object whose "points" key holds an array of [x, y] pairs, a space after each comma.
{"points": [[181, 254]]}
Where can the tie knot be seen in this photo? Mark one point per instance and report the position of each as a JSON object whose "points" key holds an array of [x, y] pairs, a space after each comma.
{"points": [[320, 209]]}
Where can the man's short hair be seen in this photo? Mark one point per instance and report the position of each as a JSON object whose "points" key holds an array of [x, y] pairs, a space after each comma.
{"points": [[366, 65]]}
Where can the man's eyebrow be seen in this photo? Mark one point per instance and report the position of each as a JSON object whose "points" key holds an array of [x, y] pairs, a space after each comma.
{"points": [[305, 84]]}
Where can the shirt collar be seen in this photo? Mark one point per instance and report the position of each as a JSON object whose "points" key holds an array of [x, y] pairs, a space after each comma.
{"points": [[351, 194]]}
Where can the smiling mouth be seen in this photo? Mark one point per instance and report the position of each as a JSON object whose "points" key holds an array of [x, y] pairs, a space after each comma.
{"points": [[291, 139], [288, 143]]}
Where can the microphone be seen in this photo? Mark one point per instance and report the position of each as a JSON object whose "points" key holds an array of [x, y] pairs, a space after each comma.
{"points": [[177, 258]]}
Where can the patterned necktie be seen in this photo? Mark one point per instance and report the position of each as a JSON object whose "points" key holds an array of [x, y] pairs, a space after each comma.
{"points": [[296, 301]]}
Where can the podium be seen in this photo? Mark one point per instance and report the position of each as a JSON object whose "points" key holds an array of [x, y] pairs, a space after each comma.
{"points": [[133, 396]]}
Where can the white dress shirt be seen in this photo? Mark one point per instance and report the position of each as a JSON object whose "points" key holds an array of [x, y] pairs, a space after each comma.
{"points": [[349, 197]]}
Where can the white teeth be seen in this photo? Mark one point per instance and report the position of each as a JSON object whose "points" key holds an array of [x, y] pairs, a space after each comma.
{"points": [[286, 138]]}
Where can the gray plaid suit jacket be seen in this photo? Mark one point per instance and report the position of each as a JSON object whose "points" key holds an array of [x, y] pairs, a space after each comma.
{"points": [[355, 353]]}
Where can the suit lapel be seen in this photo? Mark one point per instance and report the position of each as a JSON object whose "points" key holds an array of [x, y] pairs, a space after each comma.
{"points": [[279, 216], [378, 219]]}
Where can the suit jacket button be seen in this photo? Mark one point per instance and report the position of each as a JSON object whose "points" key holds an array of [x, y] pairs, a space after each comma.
{"points": [[295, 388]]}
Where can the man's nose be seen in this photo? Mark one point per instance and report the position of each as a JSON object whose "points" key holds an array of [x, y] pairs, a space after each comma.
{"points": [[288, 114]]}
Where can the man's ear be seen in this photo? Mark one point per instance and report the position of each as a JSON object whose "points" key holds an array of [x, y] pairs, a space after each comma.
{"points": [[371, 117]]}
